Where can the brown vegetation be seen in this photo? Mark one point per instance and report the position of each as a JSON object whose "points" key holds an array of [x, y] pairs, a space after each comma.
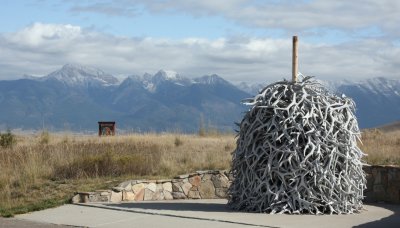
{"points": [[382, 148], [44, 170]]}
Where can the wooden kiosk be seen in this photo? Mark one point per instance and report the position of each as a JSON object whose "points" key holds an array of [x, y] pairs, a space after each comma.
{"points": [[106, 128]]}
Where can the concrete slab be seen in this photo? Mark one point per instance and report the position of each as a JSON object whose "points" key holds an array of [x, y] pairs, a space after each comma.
{"points": [[203, 213], [20, 223]]}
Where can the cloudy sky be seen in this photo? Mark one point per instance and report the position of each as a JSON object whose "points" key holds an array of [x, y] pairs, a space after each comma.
{"points": [[240, 40]]}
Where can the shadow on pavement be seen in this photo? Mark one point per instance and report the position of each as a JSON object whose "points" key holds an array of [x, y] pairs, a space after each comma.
{"points": [[387, 222], [206, 207]]}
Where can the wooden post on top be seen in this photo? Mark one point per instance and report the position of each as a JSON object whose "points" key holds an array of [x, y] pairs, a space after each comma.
{"points": [[295, 61]]}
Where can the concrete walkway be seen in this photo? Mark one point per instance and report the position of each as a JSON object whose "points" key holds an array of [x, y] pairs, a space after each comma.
{"points": [[22, 223], [203, 213]]}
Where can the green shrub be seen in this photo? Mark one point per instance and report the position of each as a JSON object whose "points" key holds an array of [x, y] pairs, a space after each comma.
{"points": [[7, 140]]}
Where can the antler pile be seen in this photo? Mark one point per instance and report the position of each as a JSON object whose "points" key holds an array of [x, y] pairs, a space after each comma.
{"points": [[297, 153]]}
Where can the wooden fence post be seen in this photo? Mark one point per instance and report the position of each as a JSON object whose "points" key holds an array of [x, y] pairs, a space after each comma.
{"points": [[295, 61]]}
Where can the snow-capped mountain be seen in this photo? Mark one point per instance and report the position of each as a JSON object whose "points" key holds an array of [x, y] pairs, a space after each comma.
{"points": [[78, 96], [251, 88], [151, 82], [210, 80], [77, 75], [380, 85]]}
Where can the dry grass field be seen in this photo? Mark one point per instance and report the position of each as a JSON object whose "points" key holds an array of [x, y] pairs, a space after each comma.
{"points": [[45, 170], [382, 148]]}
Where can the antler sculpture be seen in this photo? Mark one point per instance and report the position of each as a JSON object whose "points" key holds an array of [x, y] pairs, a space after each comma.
{"points": [[297, 152]]}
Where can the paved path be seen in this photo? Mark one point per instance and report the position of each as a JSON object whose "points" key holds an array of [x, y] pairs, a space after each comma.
{"points": [[203, 213], [22, 223]]}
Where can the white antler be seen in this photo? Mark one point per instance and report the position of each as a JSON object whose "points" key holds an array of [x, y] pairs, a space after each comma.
{"points": [[297, 152]]}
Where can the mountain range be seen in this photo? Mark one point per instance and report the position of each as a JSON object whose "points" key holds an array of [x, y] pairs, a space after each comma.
{"points": [[75, 97]]}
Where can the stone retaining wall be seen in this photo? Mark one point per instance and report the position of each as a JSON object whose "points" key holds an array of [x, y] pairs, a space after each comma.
{"points": [[199, 185], [383, 184]]}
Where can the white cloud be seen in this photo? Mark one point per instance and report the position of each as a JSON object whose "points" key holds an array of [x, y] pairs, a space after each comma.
{"points": [[38, 34], [40, 48], [352, 17]]}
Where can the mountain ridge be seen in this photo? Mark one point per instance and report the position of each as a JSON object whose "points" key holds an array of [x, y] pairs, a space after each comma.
{"points": [[77, 97]]}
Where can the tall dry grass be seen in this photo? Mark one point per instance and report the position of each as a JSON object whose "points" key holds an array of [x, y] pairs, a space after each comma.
{"points": [[44, 170], [48, 159], [382, 148]]}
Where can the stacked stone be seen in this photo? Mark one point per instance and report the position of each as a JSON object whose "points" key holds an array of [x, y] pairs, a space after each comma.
{"points": [[198, 185], [383, 184]]}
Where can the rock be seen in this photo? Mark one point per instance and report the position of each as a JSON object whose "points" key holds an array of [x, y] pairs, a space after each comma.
{"points": [[192, 174], [202, 172], [126, 185], [206, 177], [182, 176], [167, 186], [84, 198], [159, 187], [95, 197], [379, 189], [158, 195], [367, 169], [178, 195], [230, 176], [148, 194], [376, 175], [194, 195], [370, 181], [76, 199], [392, 177], [104, 193], [176, 187], [152, 187], [195, 180], [221, 192], [186, 187], [167, 195], [393, 194], [137, 187], [139, 196], [207, 190], [220, 181], [117, 189], [116, 197], [128, 196], [104, 198], [163, 181], [213, 172]]}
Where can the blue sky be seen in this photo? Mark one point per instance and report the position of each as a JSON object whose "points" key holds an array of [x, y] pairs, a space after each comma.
{"points": [[241, 40]]}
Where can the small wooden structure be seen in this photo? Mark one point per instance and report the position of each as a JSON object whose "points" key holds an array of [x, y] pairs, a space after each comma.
{"points": [[106, 128]]}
